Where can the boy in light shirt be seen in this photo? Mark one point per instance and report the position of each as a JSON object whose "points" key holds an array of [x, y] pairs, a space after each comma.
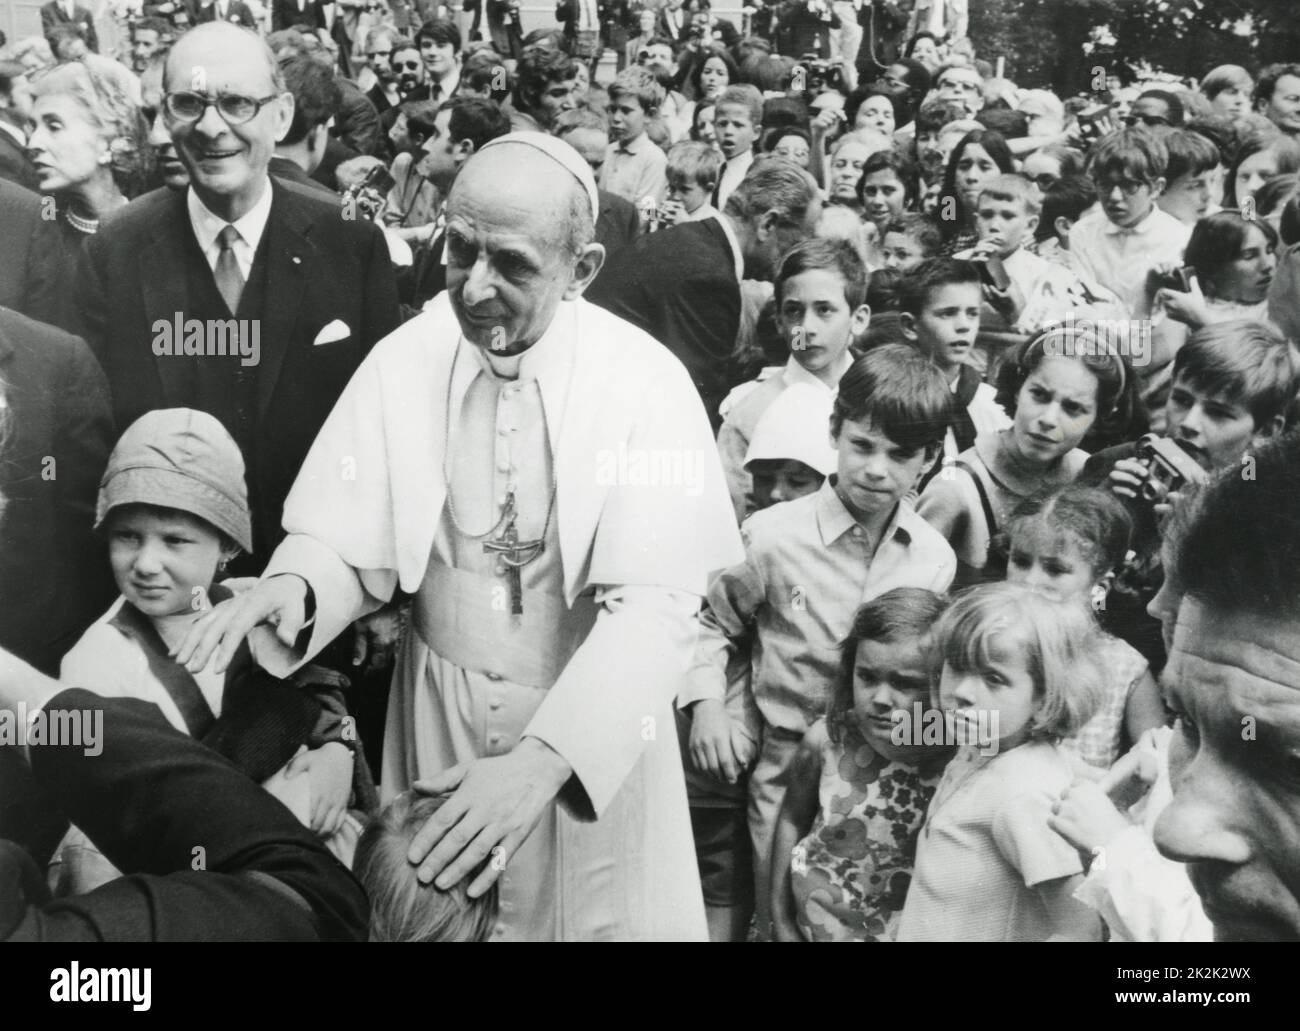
{"points": [[820, 292]]}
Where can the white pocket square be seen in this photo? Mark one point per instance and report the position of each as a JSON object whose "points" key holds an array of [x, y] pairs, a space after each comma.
{"points": [[336, 330]]}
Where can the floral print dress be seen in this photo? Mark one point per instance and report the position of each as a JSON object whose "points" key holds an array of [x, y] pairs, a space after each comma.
{"points": [[851, 873]]}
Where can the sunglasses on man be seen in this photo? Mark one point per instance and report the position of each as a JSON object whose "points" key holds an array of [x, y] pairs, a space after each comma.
{"points": [[1147, 120]]}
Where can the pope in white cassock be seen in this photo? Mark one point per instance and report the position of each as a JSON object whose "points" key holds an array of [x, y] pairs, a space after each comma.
{"points": [[541, 477]]}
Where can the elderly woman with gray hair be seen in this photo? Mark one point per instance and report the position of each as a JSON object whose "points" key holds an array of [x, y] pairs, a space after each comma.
{"points": [[90, 148]]}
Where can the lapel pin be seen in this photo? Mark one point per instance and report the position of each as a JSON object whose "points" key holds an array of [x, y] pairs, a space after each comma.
{"points": [[297, 260]]}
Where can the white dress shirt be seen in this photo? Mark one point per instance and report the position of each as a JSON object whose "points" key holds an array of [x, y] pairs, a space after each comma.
{"points": [[207, 227]]}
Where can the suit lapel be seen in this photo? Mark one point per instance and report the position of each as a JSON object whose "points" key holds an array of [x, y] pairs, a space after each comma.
{"points": [[289, 258], [165, 285]]}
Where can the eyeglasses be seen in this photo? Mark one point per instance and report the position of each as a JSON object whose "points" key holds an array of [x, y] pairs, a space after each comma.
{"points": [[1044, 182], [1128, 187], [409, 66], [1151, 120], [643, 57], [236, 109]]}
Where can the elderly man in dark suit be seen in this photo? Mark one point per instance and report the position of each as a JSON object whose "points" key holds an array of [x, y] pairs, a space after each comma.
{"points": [[281, 262], [69, 12]]}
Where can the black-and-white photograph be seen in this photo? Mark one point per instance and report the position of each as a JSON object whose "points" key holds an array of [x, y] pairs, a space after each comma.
{"points": [[650, 470]]}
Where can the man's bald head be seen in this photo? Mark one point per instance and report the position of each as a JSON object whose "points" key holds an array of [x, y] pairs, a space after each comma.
{"points": [[519, 232], [529, 172], [207, 45]]}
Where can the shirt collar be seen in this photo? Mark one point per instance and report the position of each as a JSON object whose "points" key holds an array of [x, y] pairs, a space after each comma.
{"points": [[19, 136], [207, 226], [634, 145], [741, 162], [796, 373], [834, 520], [1141, 229]]}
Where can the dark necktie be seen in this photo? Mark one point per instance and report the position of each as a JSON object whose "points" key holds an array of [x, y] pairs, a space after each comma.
{"points": [[230, 281]]}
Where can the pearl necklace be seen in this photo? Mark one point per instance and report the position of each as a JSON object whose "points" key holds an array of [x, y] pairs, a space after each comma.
{"points": [[89, 226]]}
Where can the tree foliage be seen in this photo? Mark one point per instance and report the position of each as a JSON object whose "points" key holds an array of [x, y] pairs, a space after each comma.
{"points": [[1052, 41]]}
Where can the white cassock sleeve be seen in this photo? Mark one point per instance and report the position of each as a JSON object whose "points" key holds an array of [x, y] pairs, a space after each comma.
{"points": [[621, 680]]}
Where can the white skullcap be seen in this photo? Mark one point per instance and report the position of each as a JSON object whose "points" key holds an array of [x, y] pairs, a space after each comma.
{"points": [[559, 152], [796, 425]]}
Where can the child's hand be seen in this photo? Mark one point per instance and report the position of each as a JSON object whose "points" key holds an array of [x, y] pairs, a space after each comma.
{"points": [[1188, 308], [1127, 477], [711, 740], [1085, 817], [743, 747], [1131, 777], [329, 769], [1166, 508]]}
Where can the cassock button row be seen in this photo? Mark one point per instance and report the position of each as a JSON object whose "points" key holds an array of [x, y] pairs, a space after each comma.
{"points": [[494, 676], [494, 739], [495, 704]]}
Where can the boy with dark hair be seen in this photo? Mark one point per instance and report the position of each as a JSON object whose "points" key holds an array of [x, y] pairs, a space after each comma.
{"points": [[1194, 175], [809, 564], [910, 239], [1120, 245], [939, 305], [819, 295], [315, 98], [1233, 386]]}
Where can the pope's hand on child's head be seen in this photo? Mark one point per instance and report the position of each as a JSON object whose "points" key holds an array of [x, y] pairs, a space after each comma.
{"points": [[1085, 817]]}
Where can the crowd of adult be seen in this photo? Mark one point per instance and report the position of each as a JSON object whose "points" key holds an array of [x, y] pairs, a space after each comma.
{"points": [[555, 466]]}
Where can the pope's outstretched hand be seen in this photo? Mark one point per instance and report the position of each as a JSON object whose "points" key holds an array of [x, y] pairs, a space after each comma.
{"points": [[280, 601]]}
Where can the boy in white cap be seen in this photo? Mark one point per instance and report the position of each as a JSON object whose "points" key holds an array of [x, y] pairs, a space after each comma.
{"points": [[173, 507]]}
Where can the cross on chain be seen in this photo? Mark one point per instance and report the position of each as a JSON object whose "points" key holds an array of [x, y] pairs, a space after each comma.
{"points": [[514, 554]]}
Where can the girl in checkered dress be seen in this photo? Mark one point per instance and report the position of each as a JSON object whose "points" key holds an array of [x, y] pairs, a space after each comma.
{"points": [[1068, 544]]}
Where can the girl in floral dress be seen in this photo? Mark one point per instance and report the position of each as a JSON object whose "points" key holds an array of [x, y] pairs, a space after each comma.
{"points": [[846, 837]]}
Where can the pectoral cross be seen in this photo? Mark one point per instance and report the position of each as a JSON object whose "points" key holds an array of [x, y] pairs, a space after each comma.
{"points": [[514, 554]]}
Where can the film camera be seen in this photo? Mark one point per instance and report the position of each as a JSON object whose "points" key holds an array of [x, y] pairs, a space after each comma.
{"points": [[368, 197], [1169, 468], [818, 76]]}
